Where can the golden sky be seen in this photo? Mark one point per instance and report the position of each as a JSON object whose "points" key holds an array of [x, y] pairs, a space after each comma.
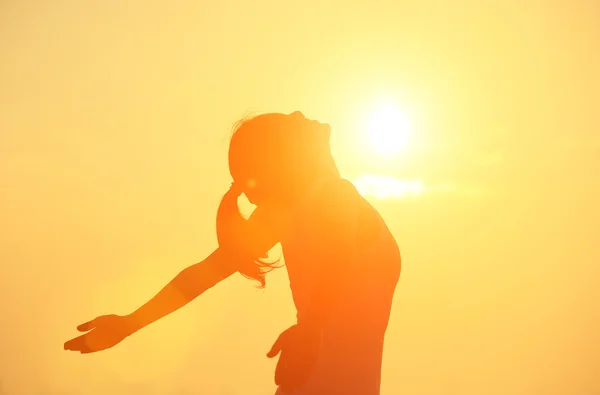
{"points": [[114, 122]]}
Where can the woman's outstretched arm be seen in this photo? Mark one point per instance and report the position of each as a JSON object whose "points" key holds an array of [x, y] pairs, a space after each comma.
{"points": [[108, 330], [194, 280], [190, 283]]}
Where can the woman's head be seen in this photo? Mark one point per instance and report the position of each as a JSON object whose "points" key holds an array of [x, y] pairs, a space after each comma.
{"points": [[272, 155], [271, 158]]}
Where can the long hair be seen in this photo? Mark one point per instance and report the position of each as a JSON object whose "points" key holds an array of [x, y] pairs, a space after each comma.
{"points": [[238, 241], [233, 233]]}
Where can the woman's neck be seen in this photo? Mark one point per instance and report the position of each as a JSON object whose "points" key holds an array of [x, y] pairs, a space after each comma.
{"points": [[281, 212], [308, 188]]}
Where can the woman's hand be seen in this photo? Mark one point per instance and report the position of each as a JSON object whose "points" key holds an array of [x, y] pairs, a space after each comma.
{"points": [[105, 332], [299, 347]]}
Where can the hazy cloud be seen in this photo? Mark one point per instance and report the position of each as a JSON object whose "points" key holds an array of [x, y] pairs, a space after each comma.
{"points": [[388, 187]]}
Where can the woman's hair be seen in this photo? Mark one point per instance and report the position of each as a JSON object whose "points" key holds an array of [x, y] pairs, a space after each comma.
{"points": [[268, 138], [237, 241]]}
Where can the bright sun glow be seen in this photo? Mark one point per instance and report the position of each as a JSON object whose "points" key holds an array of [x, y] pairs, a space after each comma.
{"points": [[388, 130], [385, 187]]}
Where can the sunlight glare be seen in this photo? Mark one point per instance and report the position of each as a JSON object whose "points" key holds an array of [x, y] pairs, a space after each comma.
{"points": [[388, 130], [385, 187]]}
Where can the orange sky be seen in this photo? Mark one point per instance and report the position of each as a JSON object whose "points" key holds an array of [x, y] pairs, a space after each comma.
{"points": [[114, 119]]}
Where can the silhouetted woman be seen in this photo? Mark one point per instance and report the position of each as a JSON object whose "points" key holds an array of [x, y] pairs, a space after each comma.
{"points": [[343, 262]]}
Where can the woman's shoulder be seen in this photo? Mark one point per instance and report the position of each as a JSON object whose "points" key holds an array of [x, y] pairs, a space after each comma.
{"points": [[341, 197], [336, 197]]}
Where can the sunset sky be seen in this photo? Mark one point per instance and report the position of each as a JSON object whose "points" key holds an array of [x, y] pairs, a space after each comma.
{"points": [[114, 123]]}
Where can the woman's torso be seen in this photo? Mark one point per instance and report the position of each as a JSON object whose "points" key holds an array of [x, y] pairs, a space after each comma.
{"points": [[375, 278], [352, 345]]}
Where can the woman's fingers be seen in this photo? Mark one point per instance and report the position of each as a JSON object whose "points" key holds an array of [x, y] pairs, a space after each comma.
{"points": [[289, 372], [282, 370], [87, 326], [76, 344], [280, 342], [277, 346], [82, 344]]}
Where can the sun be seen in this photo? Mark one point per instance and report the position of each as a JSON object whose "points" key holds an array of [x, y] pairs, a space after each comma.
{"points": [[388, 130]]}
